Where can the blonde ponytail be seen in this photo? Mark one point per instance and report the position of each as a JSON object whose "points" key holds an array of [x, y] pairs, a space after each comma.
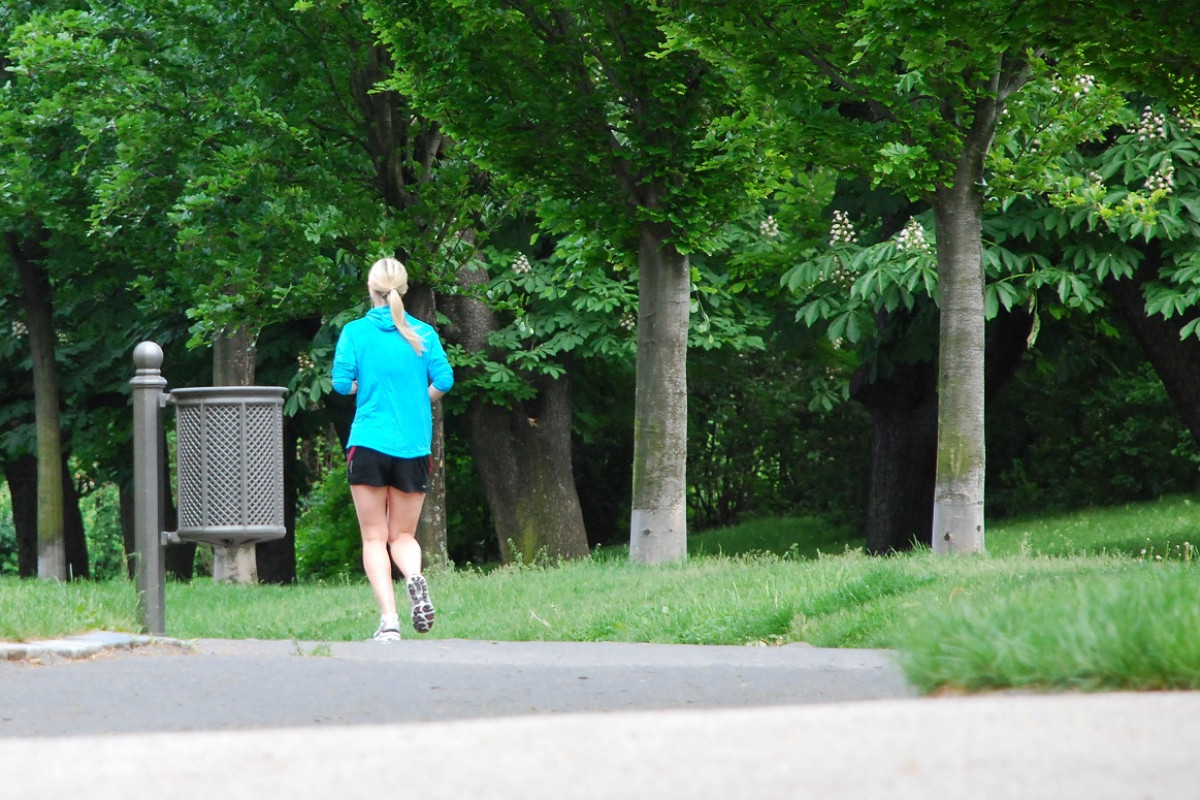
{"points": [[388, 280], [396, 303]]}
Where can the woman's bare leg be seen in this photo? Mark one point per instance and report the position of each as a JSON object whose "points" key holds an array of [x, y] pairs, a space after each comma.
{"points": [[403, 514], [371, 505]]}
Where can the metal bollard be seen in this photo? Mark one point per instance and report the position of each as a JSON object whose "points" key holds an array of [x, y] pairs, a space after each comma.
{"points": [[148, 402], [230, 467]]}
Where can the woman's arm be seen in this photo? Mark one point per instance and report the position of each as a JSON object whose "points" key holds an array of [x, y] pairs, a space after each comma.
{"points": [[344, 374]]}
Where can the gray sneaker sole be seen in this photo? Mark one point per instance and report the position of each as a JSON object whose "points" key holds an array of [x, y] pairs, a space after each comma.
{"points": [[422, 609]]}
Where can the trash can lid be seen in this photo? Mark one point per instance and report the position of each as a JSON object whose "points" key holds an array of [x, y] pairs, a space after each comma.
{"points": [[228, 394]]}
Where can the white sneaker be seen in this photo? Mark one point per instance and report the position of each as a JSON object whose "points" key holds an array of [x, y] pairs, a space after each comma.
{"points": [[388, 631]]}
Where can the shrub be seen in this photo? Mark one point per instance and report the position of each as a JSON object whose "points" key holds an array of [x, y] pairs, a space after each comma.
{"points": [[8, 535], [328, 545]]}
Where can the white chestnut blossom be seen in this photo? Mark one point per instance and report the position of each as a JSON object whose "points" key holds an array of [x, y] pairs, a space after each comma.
{"points": [[912, 238], [1152, 126], [1164, 179], [842, 231]]}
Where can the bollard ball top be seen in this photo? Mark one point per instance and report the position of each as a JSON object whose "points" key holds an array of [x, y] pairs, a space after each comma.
{"points": [[147, 355]]}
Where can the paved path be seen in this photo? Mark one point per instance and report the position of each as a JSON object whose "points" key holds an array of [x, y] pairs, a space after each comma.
{"points": [[216, 685], [453, 719]]}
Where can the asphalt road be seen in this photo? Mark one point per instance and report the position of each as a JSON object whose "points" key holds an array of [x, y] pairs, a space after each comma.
{"points": [[220, 685]]}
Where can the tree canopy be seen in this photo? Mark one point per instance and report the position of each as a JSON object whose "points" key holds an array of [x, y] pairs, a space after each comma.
{"points": [[601, 180]]}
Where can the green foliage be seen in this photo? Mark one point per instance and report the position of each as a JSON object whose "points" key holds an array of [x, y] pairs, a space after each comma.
{"points": [[566, 306], [844, 286], [8, 534], [580, 304], [602, 447], [1141, 190], [1060, 110], [760, 444], [1122, 443], [328, 544], [313, 380], [101, 509], [627, 122]]}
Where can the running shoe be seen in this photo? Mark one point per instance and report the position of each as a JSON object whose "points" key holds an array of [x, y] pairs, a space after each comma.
{"points": [[422, 609], [387, 632]]}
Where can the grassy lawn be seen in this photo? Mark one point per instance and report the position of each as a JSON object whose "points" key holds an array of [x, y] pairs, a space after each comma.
{"points": [[1103, 599]]}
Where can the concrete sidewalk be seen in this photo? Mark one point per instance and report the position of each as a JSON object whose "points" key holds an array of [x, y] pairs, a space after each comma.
{"points": [[81, 646], [691, 722], [1119, 746]]}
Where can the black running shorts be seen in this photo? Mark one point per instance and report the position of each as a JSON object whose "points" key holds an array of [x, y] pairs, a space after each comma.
{"points": [[367, 467]]}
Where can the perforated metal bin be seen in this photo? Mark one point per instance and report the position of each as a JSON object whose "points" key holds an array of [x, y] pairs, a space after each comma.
{"points": [[229, 463]]}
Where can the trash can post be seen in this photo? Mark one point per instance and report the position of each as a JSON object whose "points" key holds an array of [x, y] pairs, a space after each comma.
{"points": [[148, 398]]}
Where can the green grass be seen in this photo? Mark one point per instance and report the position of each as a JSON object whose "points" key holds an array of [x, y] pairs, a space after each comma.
{"points": [[1102, 599], [1166, 528], [1103, 629], [807, 537], [40, 610]]}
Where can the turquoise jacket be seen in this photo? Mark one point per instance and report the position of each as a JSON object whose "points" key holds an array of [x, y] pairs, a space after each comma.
{"points": [[393, 413]]}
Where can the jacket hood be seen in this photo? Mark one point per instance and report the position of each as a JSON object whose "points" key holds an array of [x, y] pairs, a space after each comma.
{"points": [[382, 318]]}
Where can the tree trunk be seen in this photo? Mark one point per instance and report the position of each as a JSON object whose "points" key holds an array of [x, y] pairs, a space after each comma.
{"points": [[21, 476], [433, 527], [37, 303], [405, 149], [1177, 361], [233, 365], [903, 409], [958, 523], [74, 538], [431, 530], [404, 146], [534, 502], [523, 453], [658, 521], [234, 354], [959, 488]]}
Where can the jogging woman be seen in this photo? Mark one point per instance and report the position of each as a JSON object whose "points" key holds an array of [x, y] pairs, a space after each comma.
{"points": [[396, 366]]}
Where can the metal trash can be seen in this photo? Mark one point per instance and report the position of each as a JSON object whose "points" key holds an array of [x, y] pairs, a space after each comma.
{"points": [[229, 463]]}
